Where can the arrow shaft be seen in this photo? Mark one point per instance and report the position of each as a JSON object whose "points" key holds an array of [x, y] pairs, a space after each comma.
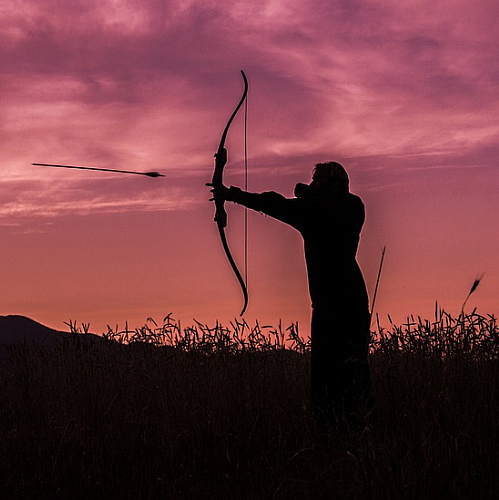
{"points": [[150, 174]]}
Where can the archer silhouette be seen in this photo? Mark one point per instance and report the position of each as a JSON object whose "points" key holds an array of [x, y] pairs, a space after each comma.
{"points": [[330, 219]]}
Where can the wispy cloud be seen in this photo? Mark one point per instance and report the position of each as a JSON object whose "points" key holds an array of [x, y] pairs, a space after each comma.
{"points": [[29, 199]]}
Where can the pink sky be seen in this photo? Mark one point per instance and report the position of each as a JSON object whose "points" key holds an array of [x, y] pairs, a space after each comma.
{"points": [[404, 94]]}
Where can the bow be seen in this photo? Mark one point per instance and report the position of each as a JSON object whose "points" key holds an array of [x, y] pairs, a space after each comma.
{"points": [[217, 181]]}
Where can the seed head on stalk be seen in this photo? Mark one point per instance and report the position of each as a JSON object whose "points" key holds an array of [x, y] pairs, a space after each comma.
{"points": [[477, 281]]}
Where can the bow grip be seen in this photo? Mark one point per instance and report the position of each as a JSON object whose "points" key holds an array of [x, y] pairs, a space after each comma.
{"points": [[220, 215]]}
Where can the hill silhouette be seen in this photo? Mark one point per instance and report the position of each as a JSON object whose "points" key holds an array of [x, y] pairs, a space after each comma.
{"points": [[16, 329]]}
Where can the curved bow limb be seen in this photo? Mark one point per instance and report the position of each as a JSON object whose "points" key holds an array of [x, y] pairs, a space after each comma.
{"points": [[217, 181]]}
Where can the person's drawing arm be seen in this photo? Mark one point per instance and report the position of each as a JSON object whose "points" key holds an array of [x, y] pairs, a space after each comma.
{"points": [[269, 203]]}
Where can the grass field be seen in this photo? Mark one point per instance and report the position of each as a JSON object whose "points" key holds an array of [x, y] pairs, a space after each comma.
{"points": [[222, 412]]}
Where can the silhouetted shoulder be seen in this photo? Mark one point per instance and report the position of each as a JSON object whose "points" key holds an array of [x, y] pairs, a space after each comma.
{"points": [[354, 198], [356, 210]]}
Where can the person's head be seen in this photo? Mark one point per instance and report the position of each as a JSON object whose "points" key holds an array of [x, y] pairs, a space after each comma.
{"points": [[327, 179], [330, 176]]}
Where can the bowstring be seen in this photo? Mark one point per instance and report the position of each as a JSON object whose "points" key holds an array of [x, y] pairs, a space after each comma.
{"points": [[246, 189]]}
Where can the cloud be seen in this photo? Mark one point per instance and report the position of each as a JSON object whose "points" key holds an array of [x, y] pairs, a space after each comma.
{"points": [[46, 199], [152, 83]]}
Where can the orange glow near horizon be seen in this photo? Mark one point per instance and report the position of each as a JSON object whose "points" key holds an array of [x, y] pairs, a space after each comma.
{"points": [[405, 97]]}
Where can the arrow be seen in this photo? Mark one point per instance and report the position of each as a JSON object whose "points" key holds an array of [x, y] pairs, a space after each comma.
{"points": [[149, 174]]}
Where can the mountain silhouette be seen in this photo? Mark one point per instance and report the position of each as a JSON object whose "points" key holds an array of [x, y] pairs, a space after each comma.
{"points": [[20, 329]]}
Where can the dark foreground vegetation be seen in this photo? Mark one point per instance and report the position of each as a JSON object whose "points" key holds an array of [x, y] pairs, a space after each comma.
{"points": [[218, 412]]}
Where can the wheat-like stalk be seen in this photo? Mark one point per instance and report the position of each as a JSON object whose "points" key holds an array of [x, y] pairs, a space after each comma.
{"points": [[477, 281]]}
